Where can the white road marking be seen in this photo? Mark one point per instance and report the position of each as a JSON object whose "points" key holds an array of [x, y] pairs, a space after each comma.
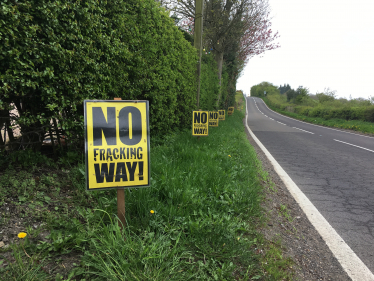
{"points": [[303, 130], [355, 145], [350, 262], [281, 123], [315, 124]]}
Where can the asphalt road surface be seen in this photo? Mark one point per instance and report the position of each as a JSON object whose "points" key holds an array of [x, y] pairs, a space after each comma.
{"points": [[334, 169]]}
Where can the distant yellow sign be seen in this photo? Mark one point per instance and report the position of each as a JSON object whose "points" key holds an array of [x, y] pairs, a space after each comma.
{"points": [[200, 123], [213, 119], [117, 144], [230, 111], [222, 114]]}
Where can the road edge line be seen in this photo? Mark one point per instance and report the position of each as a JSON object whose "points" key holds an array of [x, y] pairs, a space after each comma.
{"points": [[350, 262]]}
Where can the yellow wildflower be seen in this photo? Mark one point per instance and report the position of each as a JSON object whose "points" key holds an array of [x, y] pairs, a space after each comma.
{"points": [[152, 212], [229, 155], [22, 235]]}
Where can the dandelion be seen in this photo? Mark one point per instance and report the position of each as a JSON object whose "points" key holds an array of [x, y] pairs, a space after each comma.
{"points": [[238, 238], [229, 155], [152, 212], [22, 235]]}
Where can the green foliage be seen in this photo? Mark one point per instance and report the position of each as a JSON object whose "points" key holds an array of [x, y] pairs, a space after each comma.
{"points": [[55, 54], [258, 90], [301, 94], [325, 105], [26, 159], [313, 114], [209, 86], [327, 96], [284, 89], [205, 195]]}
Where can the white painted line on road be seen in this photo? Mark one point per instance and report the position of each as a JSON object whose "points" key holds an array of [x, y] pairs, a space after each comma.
{"points": [[281, 123], [303, 130], [271, 118], [355, 145], [350, 262], [315, 124]]}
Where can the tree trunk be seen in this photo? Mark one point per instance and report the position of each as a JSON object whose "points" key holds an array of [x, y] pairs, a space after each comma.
{"points": [[219, 60]]}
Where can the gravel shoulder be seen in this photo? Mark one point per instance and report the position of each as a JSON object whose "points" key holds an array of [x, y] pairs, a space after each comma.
{"points": [[286, 222]]}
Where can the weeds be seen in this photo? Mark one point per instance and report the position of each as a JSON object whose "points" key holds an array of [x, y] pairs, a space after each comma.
{"points": [[205, 196]]}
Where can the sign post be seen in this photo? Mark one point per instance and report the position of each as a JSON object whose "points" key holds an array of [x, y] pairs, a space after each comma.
{"points": [[230, 111], [222, 114], [213, 119], [117, 147], [121, 210], [200, 123]]}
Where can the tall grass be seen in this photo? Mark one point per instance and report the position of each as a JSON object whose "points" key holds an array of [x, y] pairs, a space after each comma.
{"points": [[205, 195]]}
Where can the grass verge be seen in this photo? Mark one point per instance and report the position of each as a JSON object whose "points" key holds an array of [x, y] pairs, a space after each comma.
{"points": [[356, 125], [205, 198]]}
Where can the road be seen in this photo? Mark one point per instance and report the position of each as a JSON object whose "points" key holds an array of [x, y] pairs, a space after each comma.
{"points": [[334, 169]]}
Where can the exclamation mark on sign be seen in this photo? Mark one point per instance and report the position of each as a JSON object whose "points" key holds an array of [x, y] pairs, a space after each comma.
{"points": [[141, 170]]}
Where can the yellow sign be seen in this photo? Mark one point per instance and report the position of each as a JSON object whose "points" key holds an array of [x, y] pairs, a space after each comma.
{"points": [[200, 123], [222, 114], [117, 144], [230, 111], [213, 118]]}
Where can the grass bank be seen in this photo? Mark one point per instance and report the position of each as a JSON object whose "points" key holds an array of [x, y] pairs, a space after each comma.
{"points": [[197, 220], [356, 125]]}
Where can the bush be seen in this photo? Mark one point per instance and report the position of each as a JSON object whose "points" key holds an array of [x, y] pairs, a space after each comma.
{"points": [[55, 54], [209, 87], [258, 90]]}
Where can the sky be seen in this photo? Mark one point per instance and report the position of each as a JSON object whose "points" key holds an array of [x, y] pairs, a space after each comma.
{"points": [[323, 44]]}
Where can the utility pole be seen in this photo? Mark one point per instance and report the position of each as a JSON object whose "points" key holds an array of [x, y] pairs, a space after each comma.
{"points": [[198, 38]]}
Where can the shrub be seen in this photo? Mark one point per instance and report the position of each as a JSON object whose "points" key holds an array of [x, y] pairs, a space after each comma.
{"points": [[209, 87], [55, 54]]}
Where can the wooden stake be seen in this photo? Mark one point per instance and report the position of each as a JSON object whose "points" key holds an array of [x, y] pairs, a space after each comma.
{"points": [[121, 202]]}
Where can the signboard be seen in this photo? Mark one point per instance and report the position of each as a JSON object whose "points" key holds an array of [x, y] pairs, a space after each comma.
{"points": [[213, 119], [117, 144], [200, 123], [230, 111], [221, 114]]}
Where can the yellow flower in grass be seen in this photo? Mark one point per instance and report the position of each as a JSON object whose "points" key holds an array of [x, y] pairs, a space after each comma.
{"points": [[22, 235], [229, 155], [152, 212]]}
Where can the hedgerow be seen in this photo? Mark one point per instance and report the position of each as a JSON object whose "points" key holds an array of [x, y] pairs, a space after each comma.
{"points": [[55, 54]]}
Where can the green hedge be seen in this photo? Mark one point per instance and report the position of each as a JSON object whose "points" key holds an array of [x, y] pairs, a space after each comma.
{"points": [[209, 84], [363, 113], [55, 54]]}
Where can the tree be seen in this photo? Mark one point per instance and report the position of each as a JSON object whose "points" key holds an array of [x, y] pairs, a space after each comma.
{"points": [[284, 89], [259, 89], [301, 94], [327, 95], [241, 27]]}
